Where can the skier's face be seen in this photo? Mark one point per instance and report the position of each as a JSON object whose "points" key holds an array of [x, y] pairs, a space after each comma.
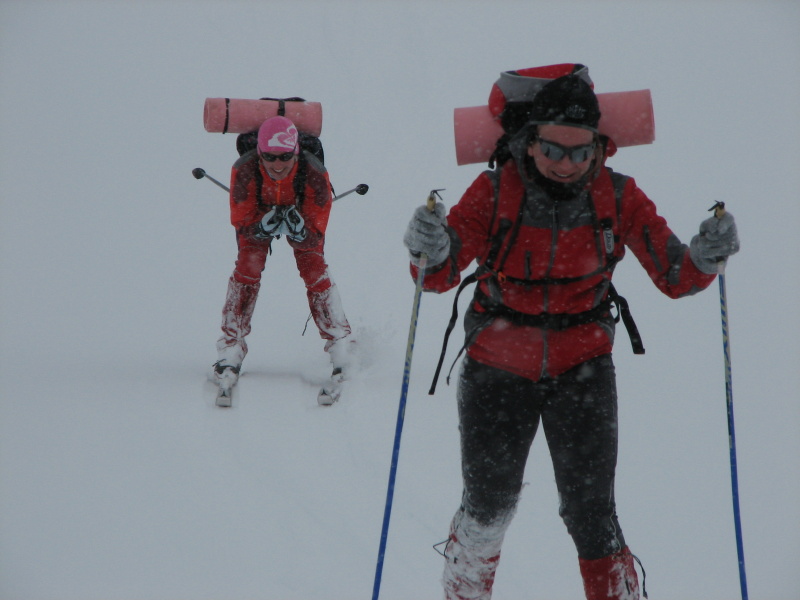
{"points": [[277, 168], [562, 153]]}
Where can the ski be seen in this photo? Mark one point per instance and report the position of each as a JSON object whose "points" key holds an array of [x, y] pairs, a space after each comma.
{"points": [[332, 390], [227, 379]]}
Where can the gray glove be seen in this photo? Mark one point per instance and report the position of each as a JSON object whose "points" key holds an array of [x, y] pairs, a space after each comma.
{"points": [[716, 241], [426, 234]]}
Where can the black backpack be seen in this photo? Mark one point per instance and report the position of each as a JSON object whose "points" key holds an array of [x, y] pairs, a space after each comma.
{"points": [[247, 142]]}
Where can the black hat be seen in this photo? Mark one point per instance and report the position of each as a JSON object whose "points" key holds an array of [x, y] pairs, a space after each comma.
{"points": [[567, 100]]}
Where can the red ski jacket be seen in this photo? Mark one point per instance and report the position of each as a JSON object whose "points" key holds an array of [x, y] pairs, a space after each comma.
{"points": [[541, 303], [253, 193]]}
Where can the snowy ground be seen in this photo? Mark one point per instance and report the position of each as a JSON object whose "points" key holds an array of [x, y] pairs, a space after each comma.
{"points": [[120, 480]]}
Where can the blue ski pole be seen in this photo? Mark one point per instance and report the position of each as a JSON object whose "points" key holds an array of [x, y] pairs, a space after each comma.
{"points": [[719, 211], [412, 332]]}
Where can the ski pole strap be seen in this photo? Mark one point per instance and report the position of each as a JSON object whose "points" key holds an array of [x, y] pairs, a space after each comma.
{"points": [[470, 279], [644, 576], [624, 311]]}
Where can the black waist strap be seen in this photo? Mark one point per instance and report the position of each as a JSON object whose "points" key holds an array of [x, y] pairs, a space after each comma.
{"points": [[554, 321], [557, 322]]}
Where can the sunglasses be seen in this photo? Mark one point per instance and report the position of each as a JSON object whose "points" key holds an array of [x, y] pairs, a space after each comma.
{"points": [[576, 154], [285, 157]]}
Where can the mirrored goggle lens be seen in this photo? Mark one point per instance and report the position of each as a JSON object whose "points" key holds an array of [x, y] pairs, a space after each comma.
{"points": [[556, 152]]}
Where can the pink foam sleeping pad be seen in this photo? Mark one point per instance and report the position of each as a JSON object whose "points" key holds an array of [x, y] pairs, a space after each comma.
{"points": [[626, 117], [231, 115]]}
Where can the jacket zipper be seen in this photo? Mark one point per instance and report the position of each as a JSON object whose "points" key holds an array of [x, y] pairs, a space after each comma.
{"points": [[545, 288]]}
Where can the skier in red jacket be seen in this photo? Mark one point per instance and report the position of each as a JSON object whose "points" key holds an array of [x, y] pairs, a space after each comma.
{"points": [[275, 191], [547, 227]]}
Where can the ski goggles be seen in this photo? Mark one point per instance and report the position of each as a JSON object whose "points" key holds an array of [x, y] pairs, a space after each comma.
{"points": [[285, 157], [555, 152]]}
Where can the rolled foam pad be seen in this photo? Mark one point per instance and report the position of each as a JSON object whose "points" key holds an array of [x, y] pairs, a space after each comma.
{"points": [[626, 117], [231, 115]]}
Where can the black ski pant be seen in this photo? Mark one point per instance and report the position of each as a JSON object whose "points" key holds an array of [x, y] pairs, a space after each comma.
{"points": [[499, 414]]}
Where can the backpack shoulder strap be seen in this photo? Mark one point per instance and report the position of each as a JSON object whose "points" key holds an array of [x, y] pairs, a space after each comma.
{"points": [[299, 181], [313, 176], [247, 167], [610, 220], [509, 202], [620, 181], [244, 158], [607, 193]]}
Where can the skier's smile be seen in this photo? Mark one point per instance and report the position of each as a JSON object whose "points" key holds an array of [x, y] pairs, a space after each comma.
{"points": [[556, 148], [278, 166]]}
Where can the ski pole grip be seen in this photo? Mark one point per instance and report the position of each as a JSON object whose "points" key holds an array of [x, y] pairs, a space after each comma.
{"points": [[432, 199], [719, 212], [423, 259]]}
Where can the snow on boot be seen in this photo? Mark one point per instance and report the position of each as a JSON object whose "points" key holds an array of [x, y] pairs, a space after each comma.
{"points": [[466, 575], [610, 578], [240, 302], [226, 377], [342, 352], [472, 555], [332, 389], [328, 314]]}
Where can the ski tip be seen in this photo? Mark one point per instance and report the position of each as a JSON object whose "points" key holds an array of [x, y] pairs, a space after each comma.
{"points": [[224, 399], [328, 396], [325, 399]]}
